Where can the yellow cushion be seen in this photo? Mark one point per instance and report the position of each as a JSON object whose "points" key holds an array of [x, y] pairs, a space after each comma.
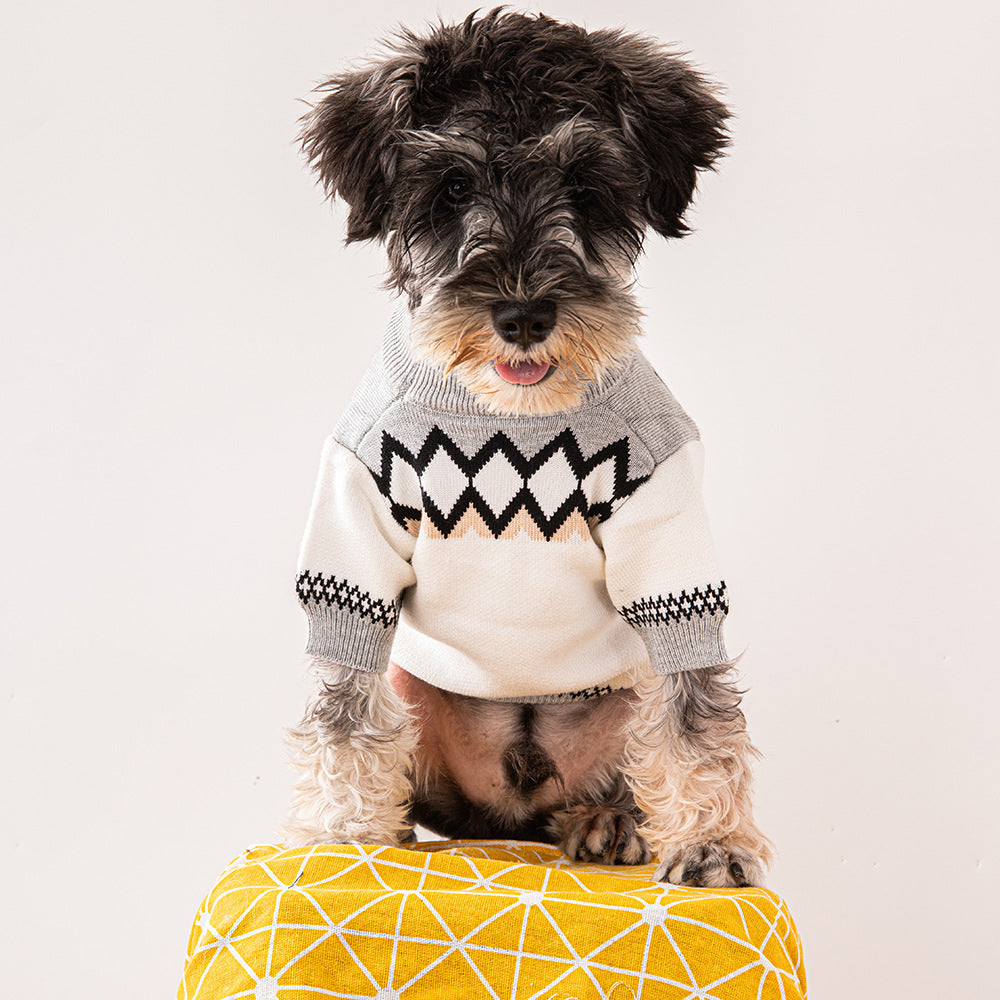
{"points": [[482, 919]]}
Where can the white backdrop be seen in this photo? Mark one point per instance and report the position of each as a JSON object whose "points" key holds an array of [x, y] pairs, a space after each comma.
{"points": [[181, 326]]}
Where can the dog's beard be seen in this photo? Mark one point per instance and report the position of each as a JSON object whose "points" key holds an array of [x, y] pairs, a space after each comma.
{"points": [[590, 340]]}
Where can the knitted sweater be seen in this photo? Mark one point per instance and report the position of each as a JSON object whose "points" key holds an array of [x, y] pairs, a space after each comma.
{"points": [[524, 558]]}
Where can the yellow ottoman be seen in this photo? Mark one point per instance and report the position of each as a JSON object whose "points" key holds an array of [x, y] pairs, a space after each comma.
{"points": [[480, 919]]}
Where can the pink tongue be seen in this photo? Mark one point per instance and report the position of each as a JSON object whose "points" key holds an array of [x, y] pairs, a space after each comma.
{"points": [[522, 372]]}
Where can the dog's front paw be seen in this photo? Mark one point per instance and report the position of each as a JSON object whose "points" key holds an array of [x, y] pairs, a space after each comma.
{"points": [[711, 865], [601, 834]]}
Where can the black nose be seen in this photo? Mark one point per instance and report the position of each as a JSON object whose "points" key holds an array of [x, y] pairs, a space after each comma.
{"points": [[524, 323]]}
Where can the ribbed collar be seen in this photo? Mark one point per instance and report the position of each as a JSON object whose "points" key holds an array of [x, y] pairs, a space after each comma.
{"points": [[427, 384]]}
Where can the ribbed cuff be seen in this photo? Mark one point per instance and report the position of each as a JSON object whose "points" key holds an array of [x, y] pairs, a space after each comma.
{"points": [[348, 639], [685, 645]]}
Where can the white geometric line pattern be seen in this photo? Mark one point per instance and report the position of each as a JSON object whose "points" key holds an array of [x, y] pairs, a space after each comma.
{"points": [[486, 919]]}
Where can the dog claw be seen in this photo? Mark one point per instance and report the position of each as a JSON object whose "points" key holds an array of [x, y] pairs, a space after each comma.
{"points": [[601, 834], [711, 865]]}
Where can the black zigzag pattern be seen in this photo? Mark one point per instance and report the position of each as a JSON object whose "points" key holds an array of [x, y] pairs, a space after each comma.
{"points": [[525, 466], [669, 610], [315, 588]]}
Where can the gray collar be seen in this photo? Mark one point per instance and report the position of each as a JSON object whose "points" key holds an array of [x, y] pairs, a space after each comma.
{"points": [[428, 384]]}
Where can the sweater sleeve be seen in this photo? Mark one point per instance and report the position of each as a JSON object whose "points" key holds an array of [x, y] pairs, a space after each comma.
{"points": [[661, 569], [353, 566]]}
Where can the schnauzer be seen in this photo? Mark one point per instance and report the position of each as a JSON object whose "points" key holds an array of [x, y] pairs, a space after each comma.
{"points": [[514, 605]]}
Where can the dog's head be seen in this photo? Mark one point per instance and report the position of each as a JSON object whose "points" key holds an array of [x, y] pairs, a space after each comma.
{"points": [[512, 164]]}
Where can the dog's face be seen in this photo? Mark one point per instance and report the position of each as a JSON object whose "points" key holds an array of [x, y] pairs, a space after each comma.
{"points": [[512, 164]]}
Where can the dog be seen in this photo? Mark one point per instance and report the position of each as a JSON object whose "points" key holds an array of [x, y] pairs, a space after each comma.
{"points": [[513, 601]]}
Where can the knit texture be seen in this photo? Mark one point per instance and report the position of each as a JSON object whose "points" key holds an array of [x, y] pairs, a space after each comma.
{"points": [[528, 558]]}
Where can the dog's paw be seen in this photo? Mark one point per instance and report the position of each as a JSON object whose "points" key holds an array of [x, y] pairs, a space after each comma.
{"points": [[711, 865], [600, 834]]}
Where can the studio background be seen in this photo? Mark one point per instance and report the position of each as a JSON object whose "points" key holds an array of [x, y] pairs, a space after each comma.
{"points": [[181, 326]]}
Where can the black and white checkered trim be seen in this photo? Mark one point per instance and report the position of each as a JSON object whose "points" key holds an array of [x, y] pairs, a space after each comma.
{"points": [[674, 608], [317, 589]]}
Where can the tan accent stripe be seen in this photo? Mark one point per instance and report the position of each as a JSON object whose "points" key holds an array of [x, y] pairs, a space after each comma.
{"points": [[428, 529], [523, 522], [471, 524], [574, 528]]}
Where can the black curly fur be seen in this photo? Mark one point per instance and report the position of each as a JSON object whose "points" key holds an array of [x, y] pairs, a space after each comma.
{"points": [[537, 122]]}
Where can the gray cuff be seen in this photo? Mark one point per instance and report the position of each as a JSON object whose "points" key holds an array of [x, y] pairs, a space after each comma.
{"points": [[348, 639], [685, 645]]}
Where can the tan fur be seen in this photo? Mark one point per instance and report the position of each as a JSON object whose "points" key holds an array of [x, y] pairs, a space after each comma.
{"points": [[693, 784], [587, 342], [352, 788]]}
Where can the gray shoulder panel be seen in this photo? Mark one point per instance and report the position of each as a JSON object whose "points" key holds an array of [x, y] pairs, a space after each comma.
{"points": [[644, 402], [382, 384]]}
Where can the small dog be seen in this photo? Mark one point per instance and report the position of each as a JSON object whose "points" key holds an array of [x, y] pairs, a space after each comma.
{"points": [[511, 504]]}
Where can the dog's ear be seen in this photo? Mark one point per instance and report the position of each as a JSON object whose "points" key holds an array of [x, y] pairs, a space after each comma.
{"points": [[671, 118], [350, 138]]}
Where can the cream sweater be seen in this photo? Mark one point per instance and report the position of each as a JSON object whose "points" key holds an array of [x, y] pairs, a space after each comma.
{"points": [[529, 558]]}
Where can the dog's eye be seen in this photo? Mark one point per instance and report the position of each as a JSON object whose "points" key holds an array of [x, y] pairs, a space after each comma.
{"points": [[456, 191], [582, 195]]}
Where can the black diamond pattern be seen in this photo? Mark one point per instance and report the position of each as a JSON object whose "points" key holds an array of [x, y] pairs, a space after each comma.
{"points": [[315, 588], [593, 510], [669, 610]]}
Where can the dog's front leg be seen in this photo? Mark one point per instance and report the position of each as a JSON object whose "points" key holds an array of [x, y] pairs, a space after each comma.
{"points": [[689, 759], [354, 751]]}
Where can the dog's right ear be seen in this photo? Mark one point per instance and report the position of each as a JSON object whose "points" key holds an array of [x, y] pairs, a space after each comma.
{"points": [[350, 139]]}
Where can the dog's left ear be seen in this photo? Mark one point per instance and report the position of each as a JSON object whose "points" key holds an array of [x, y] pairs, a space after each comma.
{"points": [[350, 138], [671, 117]]}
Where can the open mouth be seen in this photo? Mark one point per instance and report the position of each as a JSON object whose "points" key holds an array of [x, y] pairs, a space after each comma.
{"points": [[522, 372]]}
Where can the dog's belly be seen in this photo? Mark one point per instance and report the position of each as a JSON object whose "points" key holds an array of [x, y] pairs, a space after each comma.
{"points": [[487, 768]]}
